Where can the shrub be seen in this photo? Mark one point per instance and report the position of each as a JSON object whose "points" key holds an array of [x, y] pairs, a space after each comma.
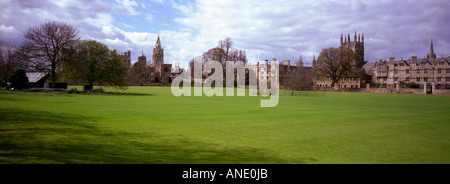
{"points": [[412, 85], [19, 80]]}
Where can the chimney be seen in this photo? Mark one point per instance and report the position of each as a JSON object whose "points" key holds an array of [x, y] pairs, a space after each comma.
{"points": [[288, 62], [391, 61], [266, 62], [413, 60]]}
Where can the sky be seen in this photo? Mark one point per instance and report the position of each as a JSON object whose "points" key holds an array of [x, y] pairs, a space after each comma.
{"points": [[281, 29]]}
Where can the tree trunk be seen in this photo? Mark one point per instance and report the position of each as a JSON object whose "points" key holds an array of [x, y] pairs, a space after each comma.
{"points": [[89, 86], [53, 79]]}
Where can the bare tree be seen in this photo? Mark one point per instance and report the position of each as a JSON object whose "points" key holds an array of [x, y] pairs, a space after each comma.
{"points": [[43, 45], [336, 63], [298, 77], [224, 52], [226, 45], [216, 54], [9, 61]]}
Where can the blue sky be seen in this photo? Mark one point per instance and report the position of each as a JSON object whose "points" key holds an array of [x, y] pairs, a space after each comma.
{"points": [[281, 29]]}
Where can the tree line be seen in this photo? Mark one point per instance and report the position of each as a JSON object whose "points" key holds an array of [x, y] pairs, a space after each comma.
{"points": [[56, 48]]}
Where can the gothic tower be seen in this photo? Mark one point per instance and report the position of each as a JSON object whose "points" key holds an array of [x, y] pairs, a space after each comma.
{"points": [[357, 45], [158, 54], [142, 58], [431, 54]]}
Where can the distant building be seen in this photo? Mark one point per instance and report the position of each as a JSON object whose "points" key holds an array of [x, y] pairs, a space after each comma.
{"points": [[357, 46], [430, 71], [126, 57]]}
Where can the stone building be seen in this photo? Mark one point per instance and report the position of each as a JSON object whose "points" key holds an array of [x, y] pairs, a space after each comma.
{"points": [[126, 57], [158, 54], [430, 71], [161, 70], [357, 46], [142, 58]]}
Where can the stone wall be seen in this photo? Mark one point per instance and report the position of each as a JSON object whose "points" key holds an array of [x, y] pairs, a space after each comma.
{"points": [[386, 90]]}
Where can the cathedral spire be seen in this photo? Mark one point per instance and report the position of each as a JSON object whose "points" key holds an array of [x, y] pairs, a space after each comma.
{"points": [[431, 54], [314, 60], [158, 43]]}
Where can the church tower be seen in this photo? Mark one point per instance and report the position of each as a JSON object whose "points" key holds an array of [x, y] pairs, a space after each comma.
{"points": [[158, 54], [357, 45], [431, 54], [142, 58]]}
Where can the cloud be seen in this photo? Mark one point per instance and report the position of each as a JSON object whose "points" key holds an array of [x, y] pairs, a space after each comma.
{"points": [[127, 7], [281, 29], [149, 17], [286, 29]]}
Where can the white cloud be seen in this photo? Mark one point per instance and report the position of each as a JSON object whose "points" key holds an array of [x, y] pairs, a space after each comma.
{"points": [[7, 29], [127, 7], [149, 17]]}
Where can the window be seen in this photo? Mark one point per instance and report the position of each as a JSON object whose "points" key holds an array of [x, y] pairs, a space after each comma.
{"points": [[407, 79], [418, 71], [425, 79], [424, 63], [447, 79], [441, 63], [439, 79], [439, 70], [396, 72], [418, 79], [402, 64], [395, 78], [407, 71], [447, 70], [384, 79], [425, 71]]}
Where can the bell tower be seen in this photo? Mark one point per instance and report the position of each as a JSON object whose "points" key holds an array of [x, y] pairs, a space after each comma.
{"points": [[158, 54], [357, 45]]}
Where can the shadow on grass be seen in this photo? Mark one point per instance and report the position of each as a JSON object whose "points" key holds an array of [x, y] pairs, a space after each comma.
{"points": [[46, 137]]}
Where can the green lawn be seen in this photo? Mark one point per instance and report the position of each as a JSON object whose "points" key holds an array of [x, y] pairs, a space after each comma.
{"points": [[149, 125]]}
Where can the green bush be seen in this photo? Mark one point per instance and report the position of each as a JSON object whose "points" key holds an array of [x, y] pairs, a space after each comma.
{"points": [[19, 80], [412, 85]]}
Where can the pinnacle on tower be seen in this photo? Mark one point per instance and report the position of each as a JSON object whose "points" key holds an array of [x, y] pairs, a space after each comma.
{"points": [[341, 38], [158, 43], [314, 60], [431, 54], [355, 37], [363, 37], [349, 37]]}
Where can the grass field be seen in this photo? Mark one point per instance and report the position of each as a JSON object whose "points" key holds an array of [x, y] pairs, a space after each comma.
{"points": [[150, 125]]}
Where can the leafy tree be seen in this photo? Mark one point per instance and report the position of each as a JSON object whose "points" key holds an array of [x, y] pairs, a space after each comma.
{"points": [[19, 80], [337, 63], [92, 62], [140, 72], [43, 45]]}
